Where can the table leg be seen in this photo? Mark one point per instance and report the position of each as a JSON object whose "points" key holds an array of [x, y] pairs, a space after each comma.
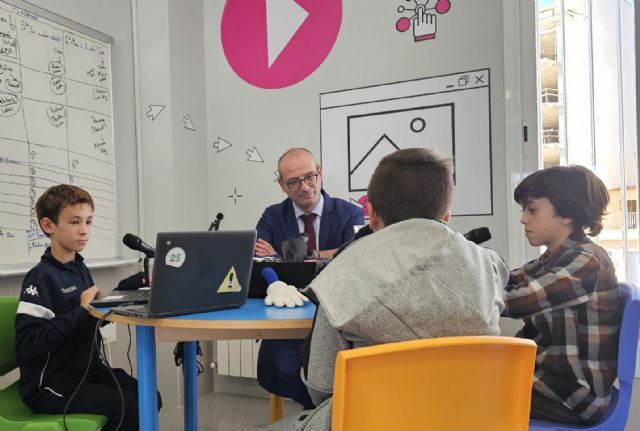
{"points": [[147, 378], [190, 371]]}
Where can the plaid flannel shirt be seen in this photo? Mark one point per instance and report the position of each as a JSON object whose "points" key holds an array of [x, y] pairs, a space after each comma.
{"points": [[572, 308]]}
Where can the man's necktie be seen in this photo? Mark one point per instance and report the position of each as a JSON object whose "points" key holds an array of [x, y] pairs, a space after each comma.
{"points": [[308, 220]]}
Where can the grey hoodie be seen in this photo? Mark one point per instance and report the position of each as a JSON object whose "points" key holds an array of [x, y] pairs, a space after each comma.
{"points": [[414, 279]]}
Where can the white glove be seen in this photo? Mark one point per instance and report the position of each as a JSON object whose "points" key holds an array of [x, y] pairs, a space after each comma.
{"points": [[282, 294]]}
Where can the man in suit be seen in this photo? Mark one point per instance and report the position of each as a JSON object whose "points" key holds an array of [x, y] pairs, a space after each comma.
{"points": [[328, 223], [301, 180]]}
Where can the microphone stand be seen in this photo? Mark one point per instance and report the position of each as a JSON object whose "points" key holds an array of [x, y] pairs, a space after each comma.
{"points": [[214, 226], [145, 268]]}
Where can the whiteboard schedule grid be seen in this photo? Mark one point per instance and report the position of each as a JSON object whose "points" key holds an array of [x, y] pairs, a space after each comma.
{"points": [[56, 126]]}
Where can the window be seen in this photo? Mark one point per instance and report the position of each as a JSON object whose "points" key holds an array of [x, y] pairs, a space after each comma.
{"points": [[587, 108]]}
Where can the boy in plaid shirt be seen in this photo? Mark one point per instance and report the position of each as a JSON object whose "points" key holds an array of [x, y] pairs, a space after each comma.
{"points": [[568, 297]]}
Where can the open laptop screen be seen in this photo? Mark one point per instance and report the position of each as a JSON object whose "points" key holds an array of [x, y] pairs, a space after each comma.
{"points": [[200, 271]]}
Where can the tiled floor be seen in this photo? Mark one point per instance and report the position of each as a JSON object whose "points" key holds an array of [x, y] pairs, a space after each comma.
{"points": [[225, 412]]}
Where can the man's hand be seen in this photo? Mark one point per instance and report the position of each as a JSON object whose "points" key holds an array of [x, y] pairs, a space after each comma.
{"points": [[263, 248], [282, 294], [326, 254], [89, 295]]}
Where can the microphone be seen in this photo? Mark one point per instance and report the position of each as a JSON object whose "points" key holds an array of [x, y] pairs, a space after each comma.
{"points": [[215, 225], [363, 231], [269, 275], [479, 235], [135, 243], [305, 238]]}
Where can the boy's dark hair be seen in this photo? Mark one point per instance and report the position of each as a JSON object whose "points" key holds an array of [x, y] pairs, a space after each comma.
{"points": [[56, 198], [411, 183], [574, 191]]}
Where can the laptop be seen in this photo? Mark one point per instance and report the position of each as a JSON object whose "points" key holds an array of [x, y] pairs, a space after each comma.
{"points": [[195, 272], [123, 297]]}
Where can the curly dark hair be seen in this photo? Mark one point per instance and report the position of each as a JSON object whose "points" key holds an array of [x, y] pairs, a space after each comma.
{"points": [[574, 191]]}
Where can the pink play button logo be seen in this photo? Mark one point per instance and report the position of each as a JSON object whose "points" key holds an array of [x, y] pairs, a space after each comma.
{"points": [[278, 43]]}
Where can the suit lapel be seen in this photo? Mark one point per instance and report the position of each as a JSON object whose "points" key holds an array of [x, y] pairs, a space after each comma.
{"points": [[291, 224]]}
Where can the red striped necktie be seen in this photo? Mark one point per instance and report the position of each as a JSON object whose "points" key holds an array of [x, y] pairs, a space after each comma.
{"points": [[308, 220]]}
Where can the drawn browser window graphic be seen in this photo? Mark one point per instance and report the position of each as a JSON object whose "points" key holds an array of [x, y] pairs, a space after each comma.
{"points": [[373, 136], [449, 113]]}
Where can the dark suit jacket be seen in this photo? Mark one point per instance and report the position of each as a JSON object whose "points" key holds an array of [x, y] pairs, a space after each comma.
{"points": [[278, 223]]}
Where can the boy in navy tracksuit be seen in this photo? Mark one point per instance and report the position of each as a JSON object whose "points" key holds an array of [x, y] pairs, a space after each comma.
{"points": [[54, 331]]}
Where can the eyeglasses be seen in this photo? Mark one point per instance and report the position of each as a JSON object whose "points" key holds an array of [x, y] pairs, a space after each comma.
{"points": [[309, 180]]}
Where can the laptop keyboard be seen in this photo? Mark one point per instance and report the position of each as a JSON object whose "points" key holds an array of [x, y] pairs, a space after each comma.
{"points": [[140, 310], [140, 296], [117, 298]]}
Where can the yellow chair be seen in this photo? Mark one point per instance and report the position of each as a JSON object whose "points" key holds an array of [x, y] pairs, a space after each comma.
{"points": [[478, 383], [276, 408]]}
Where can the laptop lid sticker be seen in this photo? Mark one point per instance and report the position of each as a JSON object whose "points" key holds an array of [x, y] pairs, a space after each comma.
{"points": [[175, 257], [230, 283]]}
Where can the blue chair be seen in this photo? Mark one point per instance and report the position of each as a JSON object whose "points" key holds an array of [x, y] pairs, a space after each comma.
{"points": [[615, 417]]}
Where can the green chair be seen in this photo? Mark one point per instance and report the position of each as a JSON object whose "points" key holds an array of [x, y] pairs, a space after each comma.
{"points": [[14, 415]]}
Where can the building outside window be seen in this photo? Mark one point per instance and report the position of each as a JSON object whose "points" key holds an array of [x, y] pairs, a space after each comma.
{"points": [[587, 108]]}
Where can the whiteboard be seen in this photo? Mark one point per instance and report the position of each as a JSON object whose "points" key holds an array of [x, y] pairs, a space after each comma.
{"points": [[56, 126]]}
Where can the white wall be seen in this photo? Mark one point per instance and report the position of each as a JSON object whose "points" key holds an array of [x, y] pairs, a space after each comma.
{"points": [[368, 51], [173, 157]]}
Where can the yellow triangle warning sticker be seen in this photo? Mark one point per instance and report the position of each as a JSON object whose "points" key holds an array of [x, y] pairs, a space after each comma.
{"points": [[230, 283]]}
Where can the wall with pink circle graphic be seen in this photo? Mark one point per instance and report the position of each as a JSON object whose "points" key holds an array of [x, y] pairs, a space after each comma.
{"points": [[278, 43]]}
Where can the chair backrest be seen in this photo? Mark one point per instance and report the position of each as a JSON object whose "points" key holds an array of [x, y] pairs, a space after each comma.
{"points": [[8, 308], [475, 382], [628, 346], [617, 413]]}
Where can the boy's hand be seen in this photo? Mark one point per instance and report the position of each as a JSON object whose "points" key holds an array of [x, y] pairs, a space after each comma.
{"points": [[89, 295]]}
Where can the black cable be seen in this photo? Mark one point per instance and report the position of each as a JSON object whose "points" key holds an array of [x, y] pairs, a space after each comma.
{"points": [[129, 351], [115, 379], [86, 372], [104, 352], [178, 356], [84, 376]]}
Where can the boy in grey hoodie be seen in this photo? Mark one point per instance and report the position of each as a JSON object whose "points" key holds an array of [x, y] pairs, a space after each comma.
{"points": [[412, 278]]}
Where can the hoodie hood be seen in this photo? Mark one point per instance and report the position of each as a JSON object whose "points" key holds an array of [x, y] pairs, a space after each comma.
{"points": [[413, 279]]}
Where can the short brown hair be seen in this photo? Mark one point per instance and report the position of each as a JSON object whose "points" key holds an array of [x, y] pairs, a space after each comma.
{"points": [[574, 191], [411, 183], [57, 198]]}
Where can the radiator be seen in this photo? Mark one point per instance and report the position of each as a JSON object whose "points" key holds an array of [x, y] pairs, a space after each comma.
{"points": [[238, 358]]}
